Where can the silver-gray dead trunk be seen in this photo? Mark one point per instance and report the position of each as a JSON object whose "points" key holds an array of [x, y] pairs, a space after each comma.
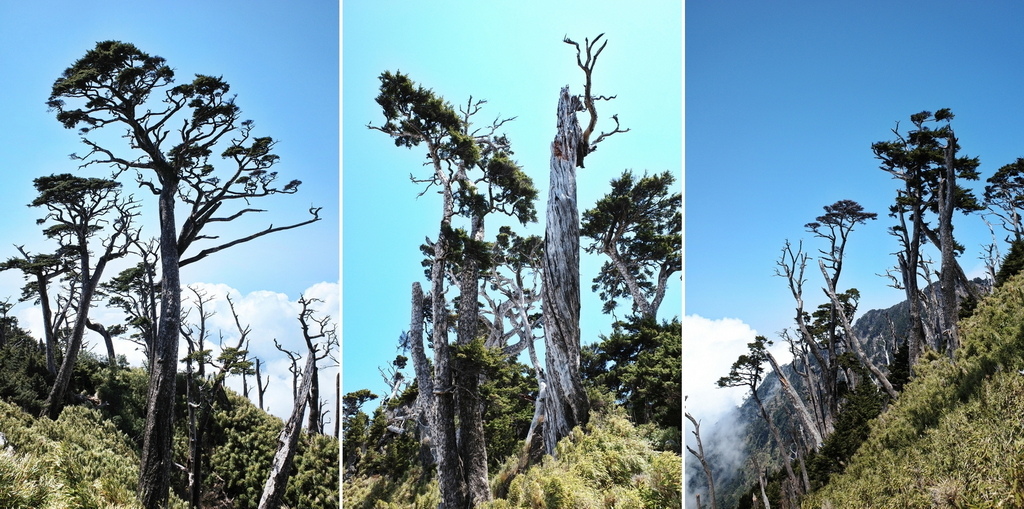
{"points": [[567, 405]]}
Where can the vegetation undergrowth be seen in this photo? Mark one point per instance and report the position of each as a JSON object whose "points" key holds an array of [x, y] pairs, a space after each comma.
{"points": [[608, 463], [79, 460], [955, 436], [89, 458]]}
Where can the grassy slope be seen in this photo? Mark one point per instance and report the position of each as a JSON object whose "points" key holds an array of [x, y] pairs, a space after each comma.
{"points": [[955, 436], [83, 460], [609, 464]]}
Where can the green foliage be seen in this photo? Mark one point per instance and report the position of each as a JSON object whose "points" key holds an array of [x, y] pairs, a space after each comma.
{"points": [[921, 156], [640, 221], [608, 464], [1012, 263], [314, 482], [1005, 192], [414, 109], [411, 491], [948, 441], [861, 405], [508, 397], [79, 460], [640, 362], [748, 369], [127, 71], [243, 442], [25, 381]]}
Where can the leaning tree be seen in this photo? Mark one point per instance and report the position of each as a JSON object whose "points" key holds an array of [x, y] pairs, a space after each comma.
{"points": [[638, 226], [172, 134], [78, 211]]}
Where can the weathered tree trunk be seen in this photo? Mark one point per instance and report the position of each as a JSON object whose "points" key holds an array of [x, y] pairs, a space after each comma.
{"points": [[425, 395], [108, 340], [337, 405], [451, 478], [798, 402], [641, 306], [472, 444], [699, 454], [48, 329], [287, 443], [761, 481], [948, 279], [792, 267], [777, 435], [90, 278], [155, 468], [567, 404], [313, 424], [852, 338]]}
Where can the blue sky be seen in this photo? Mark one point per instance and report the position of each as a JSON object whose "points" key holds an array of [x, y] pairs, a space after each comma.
{"points": [[282, 61], [512, 55], [783, 102]]}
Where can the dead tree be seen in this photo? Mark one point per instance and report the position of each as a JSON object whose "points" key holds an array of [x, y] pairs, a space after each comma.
{"points": [[319, 334], [566, 403], [699, 454], [852, 339]]}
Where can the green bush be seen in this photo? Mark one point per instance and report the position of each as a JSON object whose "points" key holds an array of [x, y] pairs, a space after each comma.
{"points": [[609, 464], [79, 460], [243, 441]]}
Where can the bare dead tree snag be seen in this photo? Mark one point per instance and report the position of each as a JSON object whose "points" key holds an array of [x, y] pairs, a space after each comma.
{"points": [[852, 338], [314, 329], [699, 454], [567, 405]]}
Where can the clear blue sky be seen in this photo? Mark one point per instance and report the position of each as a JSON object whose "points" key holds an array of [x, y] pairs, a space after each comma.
{"points": [[783, 102], [282, 61], [512, 55]]}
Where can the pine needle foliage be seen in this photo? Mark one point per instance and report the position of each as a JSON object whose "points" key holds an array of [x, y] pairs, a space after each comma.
{"points": [[79, 460]]}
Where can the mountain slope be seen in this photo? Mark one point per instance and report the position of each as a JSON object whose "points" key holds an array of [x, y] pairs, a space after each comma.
{"points": [[955, 436]]}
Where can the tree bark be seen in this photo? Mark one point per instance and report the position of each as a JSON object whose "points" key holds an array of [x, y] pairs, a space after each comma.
{"points": [[287, 443], [567, 404], [425, 384], [699, 454], [793, 265], [90, 277], [472, 444], [948, 279], [777, 435], [155, 468], [852, 338], [450, 473], [802, 412], [640, 304], [108, 340], [313, 424], [48, 329]]}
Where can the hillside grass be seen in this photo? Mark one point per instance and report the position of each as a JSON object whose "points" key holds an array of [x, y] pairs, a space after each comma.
{"points": [[609, 463], [955, 436]]}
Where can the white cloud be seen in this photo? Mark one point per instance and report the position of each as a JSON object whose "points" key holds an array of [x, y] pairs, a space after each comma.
{"points": [[268, 315], [709, 349], [272, 315]]}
